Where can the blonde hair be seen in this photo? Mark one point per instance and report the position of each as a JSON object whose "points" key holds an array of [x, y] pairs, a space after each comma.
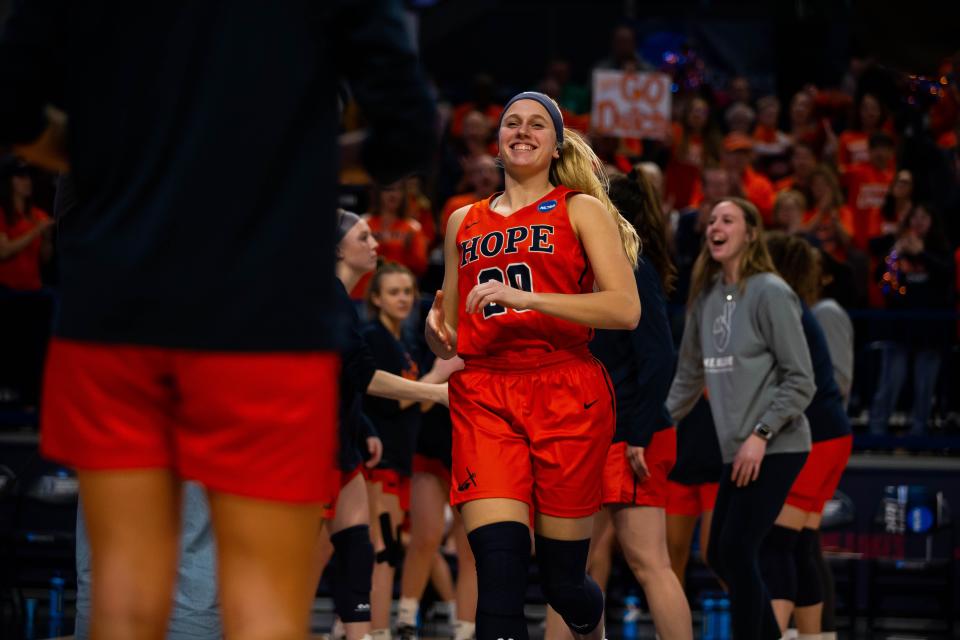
{"points": [[755, 259], [579, 168]]}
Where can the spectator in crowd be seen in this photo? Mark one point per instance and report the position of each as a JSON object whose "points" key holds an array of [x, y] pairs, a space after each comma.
{"points": [[829, 220], [691, 225], [740, 118], [608, 149], [483, 177], [476, 140], [573, 97], [739, 90], [623, 52], [419, 208], [916, 275], [400, 237], [867, 184], [898, 202], [804, 126], [749, 183], [769, 141], [788, 211], [869, 118], [483, 99], [651, 171], [803, 160], [25, 240], [695, 140]]}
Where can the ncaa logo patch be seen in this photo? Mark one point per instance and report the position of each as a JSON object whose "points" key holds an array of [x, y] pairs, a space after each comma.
{"points": [[549, 205]]}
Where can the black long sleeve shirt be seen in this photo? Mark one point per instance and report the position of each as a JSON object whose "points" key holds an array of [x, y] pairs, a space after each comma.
{"points": [[640, 363], [202, 138]]}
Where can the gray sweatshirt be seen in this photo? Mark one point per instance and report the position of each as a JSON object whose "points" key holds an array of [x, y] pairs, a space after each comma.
{"points": [[749, 350], [839, 332]]}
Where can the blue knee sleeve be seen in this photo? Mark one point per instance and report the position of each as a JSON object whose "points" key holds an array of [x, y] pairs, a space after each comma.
{"points": [[566, 585], [778, 563], [502, 553], [808, 557], [352, 570]]}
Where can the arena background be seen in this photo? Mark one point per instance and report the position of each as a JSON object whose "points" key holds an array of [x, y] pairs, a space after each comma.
{"points": [[890, 583]]}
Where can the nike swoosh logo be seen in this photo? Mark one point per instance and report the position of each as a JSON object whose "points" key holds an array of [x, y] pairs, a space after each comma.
{"points": [[587, 405], [475, 222]]}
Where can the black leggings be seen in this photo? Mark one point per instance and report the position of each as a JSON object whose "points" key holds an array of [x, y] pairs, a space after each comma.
{"points": [[741, 519]]}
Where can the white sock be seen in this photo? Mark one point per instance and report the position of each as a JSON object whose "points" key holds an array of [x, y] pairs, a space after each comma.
{"points": [[381, 634], [809, 636], [789, 634], [367, 637], [828, 635], [338, 632], [463, 630], [407, 611]]}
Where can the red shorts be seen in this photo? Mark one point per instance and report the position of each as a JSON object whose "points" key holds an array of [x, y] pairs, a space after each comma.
{"points": [[532, 429], [622, 486], [393, 483], [433, 466], [820, 475], [691, 499], [330, 510], [251, 424]]}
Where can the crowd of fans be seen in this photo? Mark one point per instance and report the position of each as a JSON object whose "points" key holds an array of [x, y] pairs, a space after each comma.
{"points": [[868, 171]]}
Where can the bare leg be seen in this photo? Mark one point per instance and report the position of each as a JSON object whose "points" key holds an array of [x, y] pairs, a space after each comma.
{"points": [[265, 586], [442, 578], [352, 510], [466, 575], [643, 538], [381, 596], [133, 523], [679, 537], [427, 499]]}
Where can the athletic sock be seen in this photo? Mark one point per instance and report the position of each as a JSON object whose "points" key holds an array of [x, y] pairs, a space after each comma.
{"points": [[407, 611], [463, 630]]}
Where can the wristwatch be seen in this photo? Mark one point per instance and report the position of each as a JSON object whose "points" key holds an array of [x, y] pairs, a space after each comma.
{"points": [[763, 431]]}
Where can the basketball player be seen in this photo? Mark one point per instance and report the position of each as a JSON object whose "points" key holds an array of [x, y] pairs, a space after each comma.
{"points": [[194, 338], [527, 273], [791, 558]]}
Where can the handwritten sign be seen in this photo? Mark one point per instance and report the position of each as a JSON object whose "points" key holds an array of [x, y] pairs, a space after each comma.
{"points": [[631, 105]]}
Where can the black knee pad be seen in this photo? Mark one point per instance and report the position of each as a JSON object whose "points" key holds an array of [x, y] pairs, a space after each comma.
{"points": [[392, 547], [778, 564], [502, 553], [566, 585], [352, 567], [808, 557]]}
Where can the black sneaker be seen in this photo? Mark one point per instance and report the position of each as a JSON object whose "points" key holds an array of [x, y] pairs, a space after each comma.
{"points": [[406, 632]]}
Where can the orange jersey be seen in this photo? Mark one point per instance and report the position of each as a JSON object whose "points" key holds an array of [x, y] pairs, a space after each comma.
{"points": [[535, 249]]}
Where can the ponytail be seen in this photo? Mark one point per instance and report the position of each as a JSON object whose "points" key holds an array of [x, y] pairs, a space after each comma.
{"points": [[579, 168]]}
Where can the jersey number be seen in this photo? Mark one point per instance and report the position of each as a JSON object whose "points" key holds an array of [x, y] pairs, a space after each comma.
{"points": [[518, 276]]}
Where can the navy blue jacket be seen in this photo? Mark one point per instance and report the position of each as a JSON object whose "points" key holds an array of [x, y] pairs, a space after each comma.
{"points": [[641, 363]]}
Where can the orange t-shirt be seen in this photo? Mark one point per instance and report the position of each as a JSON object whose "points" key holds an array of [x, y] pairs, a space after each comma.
{"points": [[763, 133], [402, 242], [759, 190], [867, 186], [22, 271]]}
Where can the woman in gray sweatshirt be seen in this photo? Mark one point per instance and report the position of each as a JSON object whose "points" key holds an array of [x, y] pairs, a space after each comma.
{"points": [[744, 342]]}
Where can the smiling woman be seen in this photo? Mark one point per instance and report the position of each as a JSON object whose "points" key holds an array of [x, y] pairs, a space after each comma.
{"points": [[528, 274], [744, 342]]}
